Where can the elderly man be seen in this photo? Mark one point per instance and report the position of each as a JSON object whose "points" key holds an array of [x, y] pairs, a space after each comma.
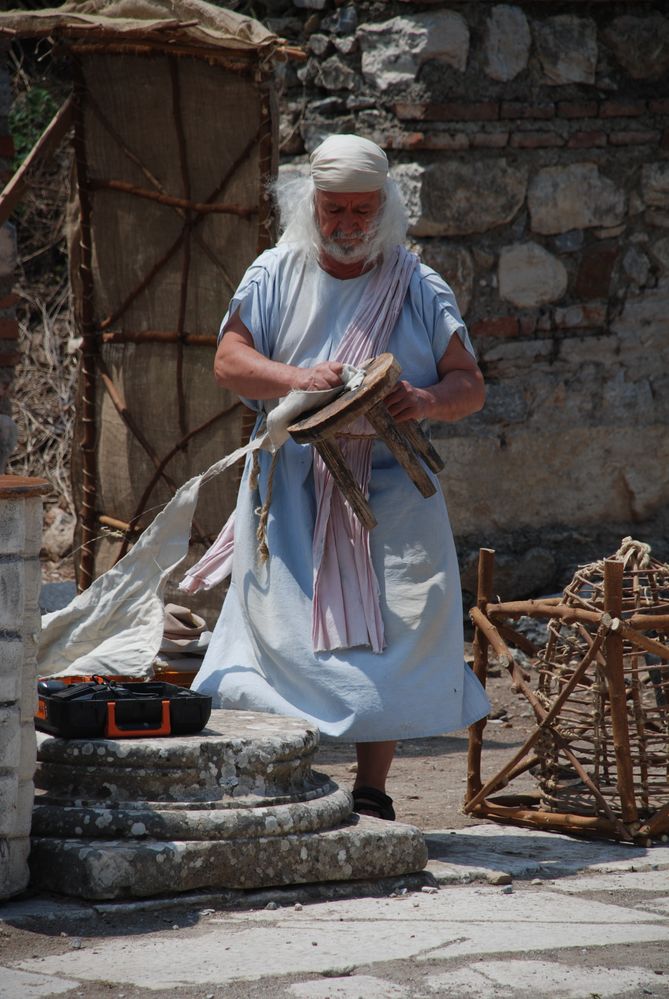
{"points": [[359, 633]]}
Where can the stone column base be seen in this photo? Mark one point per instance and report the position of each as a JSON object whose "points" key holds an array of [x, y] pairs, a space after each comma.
{"points": [[234, 807]]}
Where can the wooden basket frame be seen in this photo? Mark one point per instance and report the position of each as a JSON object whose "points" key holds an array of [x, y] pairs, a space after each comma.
{"points": [[493, 632]]}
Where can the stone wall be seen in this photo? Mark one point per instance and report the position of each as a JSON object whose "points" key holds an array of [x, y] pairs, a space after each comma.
{"points": [[531, 141], [20, 539], [9, 330]]}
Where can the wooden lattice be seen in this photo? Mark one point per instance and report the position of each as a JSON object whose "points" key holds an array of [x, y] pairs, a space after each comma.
{"points": [[600, 695]]}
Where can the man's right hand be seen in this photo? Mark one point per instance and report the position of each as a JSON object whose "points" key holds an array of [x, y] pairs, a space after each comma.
{"points": [[325, 375]]}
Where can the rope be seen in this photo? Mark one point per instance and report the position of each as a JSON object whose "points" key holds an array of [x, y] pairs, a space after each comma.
{"points": [[263, 513], [634, 551]]}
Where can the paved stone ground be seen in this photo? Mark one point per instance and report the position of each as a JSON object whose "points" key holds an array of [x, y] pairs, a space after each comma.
{"points": [[501, 913]]}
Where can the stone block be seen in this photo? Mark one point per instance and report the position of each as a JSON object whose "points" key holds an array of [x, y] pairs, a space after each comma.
{"points": [[97, 836], [506, 43], [655, 184], [335, 74], [28, 691], [9, 791], [530, 276], [27, 748], [575, 196], [660, 250], [567, 48], [14, 871], [393, 51], [8, 439], [640, 44], [10, 736], [644, 319], [24, 807], [21, 526], [456, 198], [455, 265], [626, 487], [12, 580]]}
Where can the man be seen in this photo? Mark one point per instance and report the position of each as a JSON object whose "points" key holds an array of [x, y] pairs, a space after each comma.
{"points": [[360, 633]]}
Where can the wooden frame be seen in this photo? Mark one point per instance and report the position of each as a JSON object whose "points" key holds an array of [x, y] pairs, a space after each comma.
{"points": [[628, 798]]}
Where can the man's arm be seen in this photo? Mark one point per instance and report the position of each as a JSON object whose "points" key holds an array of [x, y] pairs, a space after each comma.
{"points": [[238, 366], [459, 392]]}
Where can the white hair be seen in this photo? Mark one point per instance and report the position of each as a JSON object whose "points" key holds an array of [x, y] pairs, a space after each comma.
{"points": [[298, 225]]}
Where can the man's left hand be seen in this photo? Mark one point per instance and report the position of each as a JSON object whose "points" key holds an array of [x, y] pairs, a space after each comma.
{"points": [[406, 402]]}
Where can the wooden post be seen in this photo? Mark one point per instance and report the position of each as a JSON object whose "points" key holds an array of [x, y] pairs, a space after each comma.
{"points": [[615, 679], [483, 596]]}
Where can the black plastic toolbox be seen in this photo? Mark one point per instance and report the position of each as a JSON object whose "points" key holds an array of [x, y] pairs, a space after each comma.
{"points": [[103, 708]]}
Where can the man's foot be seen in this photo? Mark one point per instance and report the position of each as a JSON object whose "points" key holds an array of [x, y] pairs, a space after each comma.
{"points": [[369, 801]]}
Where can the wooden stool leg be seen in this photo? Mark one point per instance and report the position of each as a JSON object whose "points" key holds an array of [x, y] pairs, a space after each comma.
{"points": [[334, 459], [395, 440], [421, 444]]}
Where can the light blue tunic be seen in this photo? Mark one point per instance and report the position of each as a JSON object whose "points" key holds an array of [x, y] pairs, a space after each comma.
{"points": [[261, 657]]}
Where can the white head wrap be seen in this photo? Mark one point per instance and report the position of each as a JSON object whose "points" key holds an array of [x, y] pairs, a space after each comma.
{"points": [[348, 164]]}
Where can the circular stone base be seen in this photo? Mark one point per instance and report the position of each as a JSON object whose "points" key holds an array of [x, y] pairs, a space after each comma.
{"points": [[236, 806]]}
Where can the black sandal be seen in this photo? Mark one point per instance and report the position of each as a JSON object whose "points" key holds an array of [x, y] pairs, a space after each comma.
{"points": [[371, 800]]}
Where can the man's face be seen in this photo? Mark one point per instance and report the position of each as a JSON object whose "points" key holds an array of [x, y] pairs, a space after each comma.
{"points": [[346, 222]]}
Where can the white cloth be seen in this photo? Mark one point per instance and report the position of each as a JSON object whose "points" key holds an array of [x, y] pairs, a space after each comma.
{"points": [[348, 164], [260, 656], [115, 627]]}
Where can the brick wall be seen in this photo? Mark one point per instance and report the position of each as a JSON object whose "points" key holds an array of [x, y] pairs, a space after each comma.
{"points": [[531, 141]]}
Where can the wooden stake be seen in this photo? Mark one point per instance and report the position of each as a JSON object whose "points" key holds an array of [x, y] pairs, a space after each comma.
{"points": [[615, 679], [486, 574]]}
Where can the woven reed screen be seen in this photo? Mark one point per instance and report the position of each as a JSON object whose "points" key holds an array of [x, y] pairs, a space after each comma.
{"points": [[173, 154]]}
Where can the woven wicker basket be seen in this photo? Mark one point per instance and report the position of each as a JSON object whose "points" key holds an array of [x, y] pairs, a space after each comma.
{"points": [[600, 694]]}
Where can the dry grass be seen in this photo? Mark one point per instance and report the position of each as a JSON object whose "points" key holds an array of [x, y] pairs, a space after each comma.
{"points": [[45, 380]]}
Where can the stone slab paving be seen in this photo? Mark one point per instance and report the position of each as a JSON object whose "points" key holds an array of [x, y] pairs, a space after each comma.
{"points": [[481, 852], [540, 936]]}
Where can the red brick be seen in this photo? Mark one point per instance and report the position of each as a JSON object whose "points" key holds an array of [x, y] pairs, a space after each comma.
{"points": [[452, 111], [521, 109], [497, 326], [664, 144], [10, 360], [536, 140], [577, 109], [582, 140], [587, 315], [633, 138], [488, 140], [9, 301], [659, 105], [427, 140], [594, 275], [622, 109], [528, 325], [7, 149], [445, 140], [9, 329], [406, 140]]}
